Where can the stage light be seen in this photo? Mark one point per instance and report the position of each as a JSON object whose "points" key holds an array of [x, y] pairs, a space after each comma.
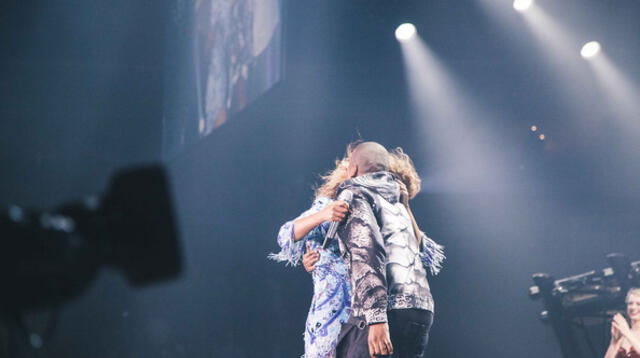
{"points": [[405, 32], [522, 5], [534, 128], [541, 137], [590, 49]]}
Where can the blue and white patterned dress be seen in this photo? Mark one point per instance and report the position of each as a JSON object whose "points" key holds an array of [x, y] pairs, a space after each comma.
{"points": [[331, 303]]}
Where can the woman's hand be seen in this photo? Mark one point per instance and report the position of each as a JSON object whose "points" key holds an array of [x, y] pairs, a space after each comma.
{"points": [[310, 259], [335, 211], [404, 193], [615, 334], [620, 324]]}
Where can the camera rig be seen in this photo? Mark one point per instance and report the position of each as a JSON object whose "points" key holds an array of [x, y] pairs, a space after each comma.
{"points": [[579, 308]]}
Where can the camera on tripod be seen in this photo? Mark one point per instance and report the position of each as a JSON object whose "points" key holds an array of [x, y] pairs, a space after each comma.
{"points": [[579, 307]]}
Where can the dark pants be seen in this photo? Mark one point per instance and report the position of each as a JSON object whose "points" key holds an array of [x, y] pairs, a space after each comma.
{"points": [[409, 330]]}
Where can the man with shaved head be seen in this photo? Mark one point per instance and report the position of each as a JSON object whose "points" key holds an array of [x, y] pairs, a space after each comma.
{"points": [[368, 157], [392, 306]]}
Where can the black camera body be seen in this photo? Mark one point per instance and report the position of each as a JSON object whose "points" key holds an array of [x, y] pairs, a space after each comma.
{"points": [[50, 257]]}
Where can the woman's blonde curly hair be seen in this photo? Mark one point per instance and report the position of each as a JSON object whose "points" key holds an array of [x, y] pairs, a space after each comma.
{"points": [[633, 291], [400, 164]]}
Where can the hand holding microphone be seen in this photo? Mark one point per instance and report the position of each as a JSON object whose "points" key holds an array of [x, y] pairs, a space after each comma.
{"points": [[339, 210], [336, 211]]}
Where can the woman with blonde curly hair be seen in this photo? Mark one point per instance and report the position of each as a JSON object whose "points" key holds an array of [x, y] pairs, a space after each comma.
{"points": [[625, 338], [301, 239]]}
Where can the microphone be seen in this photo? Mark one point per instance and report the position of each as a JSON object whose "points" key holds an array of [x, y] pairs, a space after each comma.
{"points": [[346, 196]]}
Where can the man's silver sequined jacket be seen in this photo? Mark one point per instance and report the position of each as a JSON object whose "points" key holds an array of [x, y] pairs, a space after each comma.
{"points": [[381, 250]]}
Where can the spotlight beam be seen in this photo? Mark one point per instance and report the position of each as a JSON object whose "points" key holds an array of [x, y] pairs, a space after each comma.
{"points": [[461, 149], [623, 94]]}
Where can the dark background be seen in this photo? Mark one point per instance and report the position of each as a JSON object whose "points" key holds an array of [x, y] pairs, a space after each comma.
{"points": [[81, 86]]}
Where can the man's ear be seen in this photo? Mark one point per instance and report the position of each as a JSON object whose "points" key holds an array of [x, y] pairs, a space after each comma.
{"points": [[353, 171]]}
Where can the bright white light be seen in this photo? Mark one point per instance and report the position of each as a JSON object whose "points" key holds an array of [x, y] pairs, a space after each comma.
{"points": [[590, 49], [522, 5], [534, 128], [405, 32]]}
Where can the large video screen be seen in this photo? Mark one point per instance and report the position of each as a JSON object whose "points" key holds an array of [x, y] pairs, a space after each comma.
{"points": [[221, 55]]}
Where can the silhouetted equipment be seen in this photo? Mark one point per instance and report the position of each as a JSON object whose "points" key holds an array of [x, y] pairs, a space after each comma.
{"points": [[579, 308], [50, 257]]}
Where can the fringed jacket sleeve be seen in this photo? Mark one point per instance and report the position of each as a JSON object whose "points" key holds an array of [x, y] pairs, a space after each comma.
{"points": [[431, 254], [366, 255], [291, 251]]}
